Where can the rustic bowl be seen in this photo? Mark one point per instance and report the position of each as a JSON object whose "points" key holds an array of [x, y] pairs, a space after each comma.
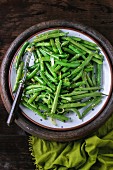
{"points": [[26, 123]]}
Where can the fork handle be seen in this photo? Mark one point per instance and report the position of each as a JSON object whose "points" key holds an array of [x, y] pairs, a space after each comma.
{"points": [[15, 105]]}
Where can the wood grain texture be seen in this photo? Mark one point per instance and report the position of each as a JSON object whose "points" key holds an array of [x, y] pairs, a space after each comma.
{"points": [[15, 17]]}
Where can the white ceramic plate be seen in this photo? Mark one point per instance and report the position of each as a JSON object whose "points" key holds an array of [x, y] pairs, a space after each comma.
{"points": [[76, 122]]}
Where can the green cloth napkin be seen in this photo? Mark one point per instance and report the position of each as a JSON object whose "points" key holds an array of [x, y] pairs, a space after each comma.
{"points": [[94, 152]]}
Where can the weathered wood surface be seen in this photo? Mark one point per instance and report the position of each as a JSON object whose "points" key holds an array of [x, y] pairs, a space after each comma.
{"points": [[15, 17]]}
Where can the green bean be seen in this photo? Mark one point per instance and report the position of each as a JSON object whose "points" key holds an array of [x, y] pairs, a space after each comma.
{"points": [[84, 63], [88, 68], [32, 98], [55, 102], [44, 54], [65, 74], [97, 60], [47, 82], [72, 105], [66, 98], [57, 41], [75, 38], [41, 96], [46, 44], [80, 83], [83, 56], [84, 78], [68, 50], [89, 79], [40, 60], [94, 103], [34, 86], [74, 49], [93, 94], [75, 57], [53, 45], [89, 43], [32, 74], [51, 70], [31, 86], [64, 69], [58, 67], [59, 117], [67, 64], [35, 90], [79, 49], [48, 36], [49, 32], [78, 76], [50, 53], [99, 74], [88, 88], [76, 111], [98, 56], [50, 77], [36, 78], [89, 47], [18, 76], [93, 77], [74, 93], [25, 99], [33, 109], [20, 54], [64, 43]]}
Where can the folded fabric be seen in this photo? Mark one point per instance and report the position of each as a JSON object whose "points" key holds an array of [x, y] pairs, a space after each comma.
{"points": [[91, 153]]}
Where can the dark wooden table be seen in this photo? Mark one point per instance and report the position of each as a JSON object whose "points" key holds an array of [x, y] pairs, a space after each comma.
{"points": [[15, 17]]}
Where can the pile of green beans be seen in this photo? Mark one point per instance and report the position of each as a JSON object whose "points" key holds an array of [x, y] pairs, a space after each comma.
{"points": [[65, 76]]}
